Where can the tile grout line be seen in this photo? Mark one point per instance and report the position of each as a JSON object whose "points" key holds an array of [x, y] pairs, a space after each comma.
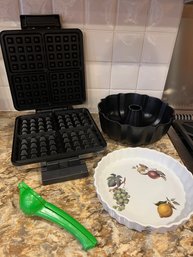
{"points": [[113, 39], [142, 48]]}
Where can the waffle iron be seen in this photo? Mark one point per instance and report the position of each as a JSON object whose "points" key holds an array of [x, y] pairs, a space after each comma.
{"points": [[45, 70]]}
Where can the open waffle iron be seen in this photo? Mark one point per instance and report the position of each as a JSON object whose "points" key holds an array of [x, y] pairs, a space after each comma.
{"points": [[45, 69]]}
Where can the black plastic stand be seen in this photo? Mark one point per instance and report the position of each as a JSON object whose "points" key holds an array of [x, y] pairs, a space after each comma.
{"points": [[63, 170]]}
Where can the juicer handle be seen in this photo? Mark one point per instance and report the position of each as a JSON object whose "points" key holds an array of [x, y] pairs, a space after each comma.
{"points": [[52, 213]]}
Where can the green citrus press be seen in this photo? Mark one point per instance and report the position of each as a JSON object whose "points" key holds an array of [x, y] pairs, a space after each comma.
{"points": [[31, 203]]}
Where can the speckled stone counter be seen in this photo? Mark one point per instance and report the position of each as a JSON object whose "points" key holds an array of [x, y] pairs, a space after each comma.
{"points": [[23, 236]]}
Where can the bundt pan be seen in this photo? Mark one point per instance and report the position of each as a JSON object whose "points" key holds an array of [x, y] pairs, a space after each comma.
{"points": [[134, 119]]}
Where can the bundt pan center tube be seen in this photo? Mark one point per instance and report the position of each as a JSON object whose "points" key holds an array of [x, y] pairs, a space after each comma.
{"points": [[135, 119]]}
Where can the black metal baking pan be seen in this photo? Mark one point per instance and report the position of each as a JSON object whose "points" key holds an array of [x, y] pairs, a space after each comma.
{"points": [[135, 119]]}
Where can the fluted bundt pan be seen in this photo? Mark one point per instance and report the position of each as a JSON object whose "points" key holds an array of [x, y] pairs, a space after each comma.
{"points": [[134, 119]]}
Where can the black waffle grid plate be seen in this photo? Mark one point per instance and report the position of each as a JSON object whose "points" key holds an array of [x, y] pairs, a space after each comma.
{"points": [[45, 68], [55, 135]]}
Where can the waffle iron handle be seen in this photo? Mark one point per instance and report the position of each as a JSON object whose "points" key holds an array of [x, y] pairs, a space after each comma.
{"points": [[50, 21]]}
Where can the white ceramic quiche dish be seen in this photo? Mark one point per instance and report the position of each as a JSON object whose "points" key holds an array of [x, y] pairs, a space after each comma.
{"points": [[144, 189]]}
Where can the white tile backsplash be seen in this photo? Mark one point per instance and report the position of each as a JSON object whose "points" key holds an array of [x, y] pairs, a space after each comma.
{"points": [[132, 14], [164, 15], [124, 76], [128, 44], [71, 12], [100, 14], [8, 25], [35, 6], [153, 93], [158, 47], [152, 77], [98, 45], [98, 75], [121, 91], [9, 10], [93, 98]]}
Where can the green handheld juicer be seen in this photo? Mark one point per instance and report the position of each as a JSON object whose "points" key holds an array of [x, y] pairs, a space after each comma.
{"points": [[33, 204]]}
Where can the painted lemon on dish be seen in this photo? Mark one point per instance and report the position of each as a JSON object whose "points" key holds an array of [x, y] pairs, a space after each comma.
{"points": [[165, 208]]}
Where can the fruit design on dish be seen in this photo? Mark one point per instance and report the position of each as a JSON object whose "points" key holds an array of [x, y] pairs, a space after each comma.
{"points": [[165, 208], [120, 195], [152, 173]]}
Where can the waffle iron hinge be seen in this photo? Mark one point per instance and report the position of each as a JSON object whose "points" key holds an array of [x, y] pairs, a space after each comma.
{"points": [[53, 110], [63, 170]]}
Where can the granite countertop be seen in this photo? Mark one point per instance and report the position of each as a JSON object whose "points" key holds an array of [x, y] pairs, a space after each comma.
{"points": [[23, 236]]}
